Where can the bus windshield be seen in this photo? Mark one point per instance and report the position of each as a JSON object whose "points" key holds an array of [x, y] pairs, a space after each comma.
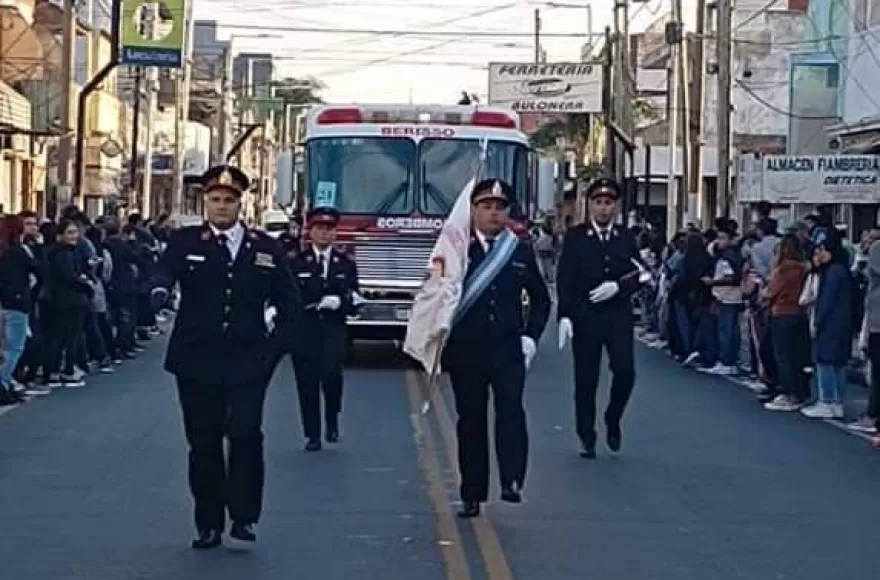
{"points": [[362, 175], [447, 165]]}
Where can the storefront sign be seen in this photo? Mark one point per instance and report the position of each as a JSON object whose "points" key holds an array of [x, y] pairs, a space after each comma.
{"points": [[152, 33], [573, 87], [810, 179]]}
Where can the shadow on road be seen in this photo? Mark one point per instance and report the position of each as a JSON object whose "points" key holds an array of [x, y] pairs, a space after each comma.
{"points": [[385, 355]]}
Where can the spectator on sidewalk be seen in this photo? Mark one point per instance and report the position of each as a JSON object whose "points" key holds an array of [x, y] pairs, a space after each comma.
{"points": [[831, 329], [789, 326], [869, 342], [728, 297], [694, 301]]}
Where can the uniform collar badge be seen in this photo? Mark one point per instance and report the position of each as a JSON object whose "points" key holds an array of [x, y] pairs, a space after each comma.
{"points": [[591, 232], [206, 235]]}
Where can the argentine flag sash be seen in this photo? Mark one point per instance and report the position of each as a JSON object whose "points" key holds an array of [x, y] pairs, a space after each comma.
{"points": [[485, 273]]}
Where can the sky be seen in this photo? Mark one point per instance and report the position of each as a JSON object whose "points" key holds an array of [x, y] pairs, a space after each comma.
{"points": [[403, 68]]}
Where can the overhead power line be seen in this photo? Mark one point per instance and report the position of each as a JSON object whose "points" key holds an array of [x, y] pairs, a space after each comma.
{"points": [[382, 32]]}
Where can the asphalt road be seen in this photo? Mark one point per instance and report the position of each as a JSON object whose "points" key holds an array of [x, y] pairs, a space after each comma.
{"points": [[93, 486]]}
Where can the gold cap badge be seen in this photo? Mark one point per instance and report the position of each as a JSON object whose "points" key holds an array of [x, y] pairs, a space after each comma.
{"points": [[496, 189], [225, 178]]}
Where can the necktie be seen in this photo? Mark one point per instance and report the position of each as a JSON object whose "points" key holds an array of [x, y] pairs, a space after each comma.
{"points": [[489, 244], [223, 242], [322, 264]]}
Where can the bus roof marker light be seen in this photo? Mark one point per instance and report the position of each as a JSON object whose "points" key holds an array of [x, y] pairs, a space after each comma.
{"points": [[340, 116]]}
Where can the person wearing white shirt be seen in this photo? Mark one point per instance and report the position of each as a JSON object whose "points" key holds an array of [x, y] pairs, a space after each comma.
{"points": [[599, 270], [328, 281], [491, 346]]}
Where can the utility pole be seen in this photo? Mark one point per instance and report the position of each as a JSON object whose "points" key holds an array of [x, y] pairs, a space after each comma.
{"points": [[684, 128], [673, 84], [135, 135], [725, 15], [68, 64], [179, 145], [537, 35], [147, 183], [624, 73], [225, 98], [695, 182]]}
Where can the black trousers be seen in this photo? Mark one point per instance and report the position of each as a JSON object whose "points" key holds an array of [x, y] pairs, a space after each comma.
{"points": [[318, 366], [613, 332], [123, 311], [503, 372], [67, 338], [210, 414]]}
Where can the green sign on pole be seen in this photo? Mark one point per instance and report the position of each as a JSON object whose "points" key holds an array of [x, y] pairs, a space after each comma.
{"points": [[153, 33]]}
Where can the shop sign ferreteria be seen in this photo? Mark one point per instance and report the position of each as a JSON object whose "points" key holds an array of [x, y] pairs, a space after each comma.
{"points": [[810, 178]]}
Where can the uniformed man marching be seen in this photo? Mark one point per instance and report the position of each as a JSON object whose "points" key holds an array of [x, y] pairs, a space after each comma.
{"points": [[222, 354], [328, 281], [491, 345], [598, 271]]}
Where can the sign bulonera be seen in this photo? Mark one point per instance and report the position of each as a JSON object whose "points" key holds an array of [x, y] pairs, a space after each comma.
{"points": [[409, 223], [405, 131]]}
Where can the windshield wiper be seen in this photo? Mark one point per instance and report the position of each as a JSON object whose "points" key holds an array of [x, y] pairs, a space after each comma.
{"points": [[433, 192], [394, 195]]}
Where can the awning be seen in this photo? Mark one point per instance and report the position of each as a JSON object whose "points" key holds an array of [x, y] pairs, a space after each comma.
{"points": [[15, 109]]}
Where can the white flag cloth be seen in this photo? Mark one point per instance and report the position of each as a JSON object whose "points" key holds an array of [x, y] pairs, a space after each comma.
{"points": [[435, 304]]}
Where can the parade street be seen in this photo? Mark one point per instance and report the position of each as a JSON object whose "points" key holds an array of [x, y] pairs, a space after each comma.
{"points": [[709, 486]]}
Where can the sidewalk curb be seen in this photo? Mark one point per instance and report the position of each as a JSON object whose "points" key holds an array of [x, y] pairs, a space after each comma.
{"points": [[836, 423]]}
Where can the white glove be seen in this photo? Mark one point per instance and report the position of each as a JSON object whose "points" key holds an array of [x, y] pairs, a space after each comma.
{"points": [[529, 349], [605, 291], [566, 332], [269, 316], [357, 299], [330, 303]]}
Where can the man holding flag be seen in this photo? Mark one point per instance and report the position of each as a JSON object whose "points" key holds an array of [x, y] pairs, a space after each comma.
{"points": [[491, 340]]}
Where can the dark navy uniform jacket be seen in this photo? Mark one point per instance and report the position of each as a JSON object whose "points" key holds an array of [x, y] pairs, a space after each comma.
{"points": [[342, 280], [220, 334], [499, 315], [587, 262]]}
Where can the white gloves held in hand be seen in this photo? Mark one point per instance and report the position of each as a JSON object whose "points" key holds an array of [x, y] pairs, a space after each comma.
{"points": [[330, 303], [604, 291], [565, 333], [269, 316], [529, 349]]}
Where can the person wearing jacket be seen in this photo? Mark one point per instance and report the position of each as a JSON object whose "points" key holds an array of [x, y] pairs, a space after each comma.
{"points": [[789, 326], [831, 329], [18, 271], [727, 293], [69, 294], [122, 289]]}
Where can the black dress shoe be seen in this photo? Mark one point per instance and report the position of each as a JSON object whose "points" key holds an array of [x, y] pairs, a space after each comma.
{"points": [[511, 495], [207, 539], [469, 509], [614, 438], [588, 451], [332, 435], [243, 532], [313, 445]]}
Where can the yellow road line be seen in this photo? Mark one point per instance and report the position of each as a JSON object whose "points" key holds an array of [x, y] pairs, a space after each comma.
{"points": [[494, 560], [451, 545]]}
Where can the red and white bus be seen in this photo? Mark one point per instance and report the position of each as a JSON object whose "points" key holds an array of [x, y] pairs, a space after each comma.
{"points": [[393, 172]]}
